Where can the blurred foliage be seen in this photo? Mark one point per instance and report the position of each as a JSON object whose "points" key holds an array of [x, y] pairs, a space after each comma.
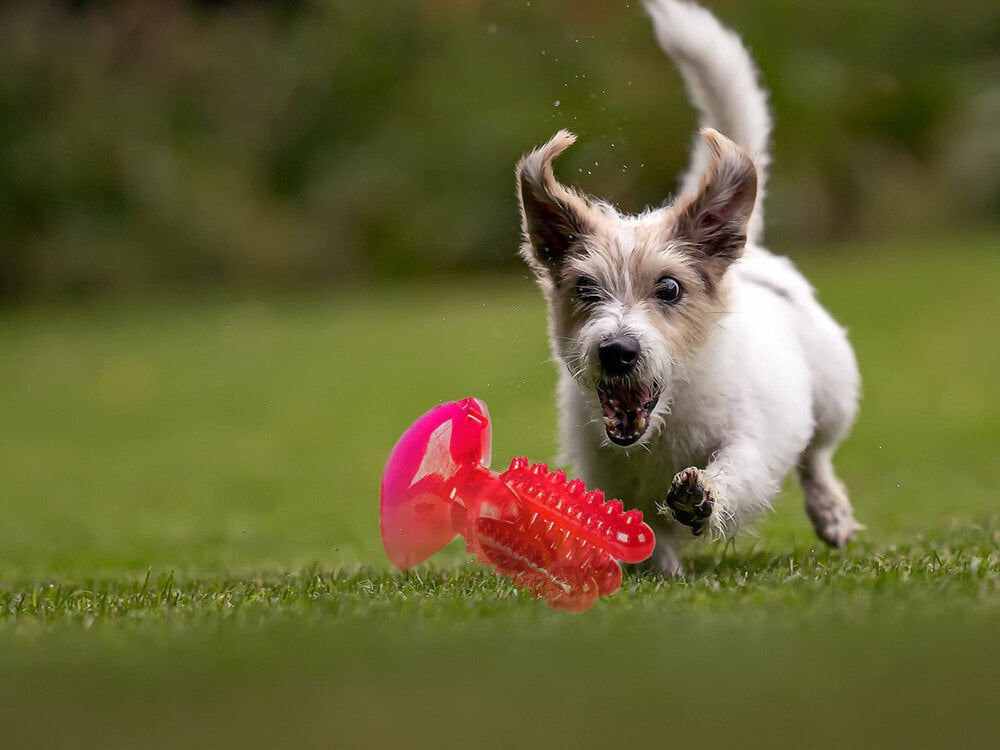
{"points": [[294, 143]]}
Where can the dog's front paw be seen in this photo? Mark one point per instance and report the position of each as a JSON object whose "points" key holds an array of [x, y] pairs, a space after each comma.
{"points": [[689, 500]]}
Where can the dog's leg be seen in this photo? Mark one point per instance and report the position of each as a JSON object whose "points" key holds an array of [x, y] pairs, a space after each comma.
{"points": [[666, 558], [835, 405], [730, 491], [826, 501]]}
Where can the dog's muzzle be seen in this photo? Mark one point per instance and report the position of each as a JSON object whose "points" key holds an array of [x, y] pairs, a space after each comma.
{"points": [[626, 402]]}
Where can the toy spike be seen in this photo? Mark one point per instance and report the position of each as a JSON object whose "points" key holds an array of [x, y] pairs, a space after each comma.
{"points": [[545, 532]]}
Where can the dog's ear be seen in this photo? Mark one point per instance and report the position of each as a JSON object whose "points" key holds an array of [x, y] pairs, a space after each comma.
{"points": [[713, 219], [553, 216]]}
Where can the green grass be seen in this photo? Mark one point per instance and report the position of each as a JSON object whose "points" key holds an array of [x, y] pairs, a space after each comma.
{"points": [[189, 550]]}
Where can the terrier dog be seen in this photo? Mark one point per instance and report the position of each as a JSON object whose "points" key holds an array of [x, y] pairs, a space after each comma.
{"points": [[697, 369]]}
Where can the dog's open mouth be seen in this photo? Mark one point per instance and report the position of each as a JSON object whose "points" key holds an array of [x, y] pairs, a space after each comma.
{"points": [[627, 407]]}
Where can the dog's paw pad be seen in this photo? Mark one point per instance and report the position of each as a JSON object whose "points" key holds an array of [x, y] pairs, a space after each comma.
{"points": [[689, 500]]}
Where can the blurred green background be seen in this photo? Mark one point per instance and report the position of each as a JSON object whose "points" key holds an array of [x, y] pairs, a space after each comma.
{"points": [[243, 245], [283, 144]]}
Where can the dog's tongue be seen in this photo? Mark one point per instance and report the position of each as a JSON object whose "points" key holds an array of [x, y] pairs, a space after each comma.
{"points": [[626, 410]]}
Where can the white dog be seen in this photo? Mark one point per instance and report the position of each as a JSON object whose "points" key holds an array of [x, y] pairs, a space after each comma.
{"points": [[696, 368]]}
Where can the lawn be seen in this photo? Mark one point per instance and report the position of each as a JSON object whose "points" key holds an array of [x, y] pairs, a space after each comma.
{"points": [[189, 550]]}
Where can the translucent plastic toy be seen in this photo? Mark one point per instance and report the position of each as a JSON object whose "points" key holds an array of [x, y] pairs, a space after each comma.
{"points": [[548, 534]]}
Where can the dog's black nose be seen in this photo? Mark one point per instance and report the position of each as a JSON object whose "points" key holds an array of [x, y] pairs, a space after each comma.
{"points": [[618, 354]]}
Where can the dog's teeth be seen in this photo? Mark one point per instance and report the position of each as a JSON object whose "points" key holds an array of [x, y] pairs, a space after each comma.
{"points": [[640, 423], [609, 423]]}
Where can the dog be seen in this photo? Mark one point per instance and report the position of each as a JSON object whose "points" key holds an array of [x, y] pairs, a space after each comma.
{"points": [[696, 368]]}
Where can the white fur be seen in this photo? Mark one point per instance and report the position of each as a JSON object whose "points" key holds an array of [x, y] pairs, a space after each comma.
{"points": [[773, 385]]}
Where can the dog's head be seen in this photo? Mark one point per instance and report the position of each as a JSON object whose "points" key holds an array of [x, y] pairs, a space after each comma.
{"points": [[631, 298]]}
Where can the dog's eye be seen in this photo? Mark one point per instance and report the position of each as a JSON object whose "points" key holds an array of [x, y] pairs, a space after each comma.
{"points": [[587, 291], [668, 290]]}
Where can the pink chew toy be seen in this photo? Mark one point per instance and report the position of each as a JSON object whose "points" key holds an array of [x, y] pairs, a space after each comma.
{"points": [[550, 536]]}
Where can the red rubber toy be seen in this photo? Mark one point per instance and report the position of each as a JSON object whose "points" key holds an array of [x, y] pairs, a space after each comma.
{"points": [[549, 535]]}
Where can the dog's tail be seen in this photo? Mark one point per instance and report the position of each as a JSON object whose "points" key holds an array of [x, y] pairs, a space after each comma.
{"points": [[723, 83]]}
